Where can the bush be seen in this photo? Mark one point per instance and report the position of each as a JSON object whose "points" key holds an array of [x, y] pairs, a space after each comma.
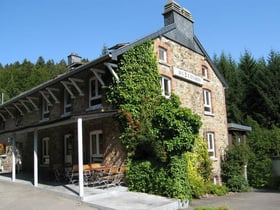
{"points": [[218, 190], [238, 184], [211, 208], [156, 178]]}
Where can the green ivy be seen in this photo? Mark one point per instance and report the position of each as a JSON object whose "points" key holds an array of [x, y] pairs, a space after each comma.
{"points": [[155, 130]]}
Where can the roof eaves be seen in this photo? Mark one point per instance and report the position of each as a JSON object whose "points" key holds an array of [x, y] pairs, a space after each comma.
{"points": [[234, 126], [152, 36], [55, 80], [218, 73]]}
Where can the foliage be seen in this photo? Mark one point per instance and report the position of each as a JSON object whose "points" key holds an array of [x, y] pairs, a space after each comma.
{"points": [[238, 184], [214, 189], [155, 130], [211, 208], [253, 99], [155, 178], [199, 168], [259, 166], [235, 160], [18, 77]]}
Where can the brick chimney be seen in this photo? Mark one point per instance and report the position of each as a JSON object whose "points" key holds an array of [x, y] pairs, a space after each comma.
{"points": [[174, 13]]}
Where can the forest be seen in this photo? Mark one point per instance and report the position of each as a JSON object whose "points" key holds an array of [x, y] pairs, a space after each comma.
{"points": [[253, 99]]}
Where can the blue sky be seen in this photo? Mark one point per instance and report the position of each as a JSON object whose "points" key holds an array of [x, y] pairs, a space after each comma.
{"points": [[55, 28]]}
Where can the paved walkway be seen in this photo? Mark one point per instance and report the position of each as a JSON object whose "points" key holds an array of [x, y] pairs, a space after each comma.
{"points": [[22, 195], [257, 200]]}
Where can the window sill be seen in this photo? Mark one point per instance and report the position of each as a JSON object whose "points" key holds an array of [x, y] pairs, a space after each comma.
{"points": [[66, 115], [206, 79], [214, 159], [164, 63], [44, 120], [209, 114], [95, 107]]}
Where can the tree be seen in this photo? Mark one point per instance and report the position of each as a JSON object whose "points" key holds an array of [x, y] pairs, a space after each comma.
{"points": [[105, 50]]}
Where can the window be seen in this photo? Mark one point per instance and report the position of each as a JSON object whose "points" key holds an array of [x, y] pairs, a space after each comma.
{"points": [[95, 90], [45, 109], [165, 86], [205, 72], [68, 148], [211, 144], [162, 54], [207, 101], [67, 102], [96, 146], [45, 151]]}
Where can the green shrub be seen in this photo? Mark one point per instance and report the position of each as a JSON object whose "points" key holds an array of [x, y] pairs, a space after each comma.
{"points": [[211, 208], [199, 168], [238, 184], [156, 178], [216, 189]]}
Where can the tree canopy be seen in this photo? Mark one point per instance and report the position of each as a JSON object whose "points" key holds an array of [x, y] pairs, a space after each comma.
{"points": [[18, 77]]}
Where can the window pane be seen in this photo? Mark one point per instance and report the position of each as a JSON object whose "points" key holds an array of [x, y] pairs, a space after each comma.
{"points": [[101, 144], [162, 54], [93, 88], [94, 144]]}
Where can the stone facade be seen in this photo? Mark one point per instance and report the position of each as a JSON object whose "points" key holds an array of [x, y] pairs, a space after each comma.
{"points": [[191, 94]]}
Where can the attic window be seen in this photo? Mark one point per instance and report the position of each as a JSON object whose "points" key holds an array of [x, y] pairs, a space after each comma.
{"points": [[162, 54], [205, 72]]}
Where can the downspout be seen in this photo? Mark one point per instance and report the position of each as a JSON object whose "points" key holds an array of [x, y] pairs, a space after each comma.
{"points": [[110, 67]]}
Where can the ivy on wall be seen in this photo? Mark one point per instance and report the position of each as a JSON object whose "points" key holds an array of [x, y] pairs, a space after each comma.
{"points": [[155, 130]]}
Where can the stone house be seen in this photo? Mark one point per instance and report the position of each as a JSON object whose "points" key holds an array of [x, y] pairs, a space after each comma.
{"points": [[67, 119]]}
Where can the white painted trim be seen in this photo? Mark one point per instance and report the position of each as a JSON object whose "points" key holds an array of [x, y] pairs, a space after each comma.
{"points": [[80, 156], [35, 154]]}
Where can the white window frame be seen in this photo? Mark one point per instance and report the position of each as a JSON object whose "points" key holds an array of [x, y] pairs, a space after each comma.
{"points": [[210, 136], [45, 151], [67, 106], [98, 155], [94, 93], [165, 86], [162, 54], [207, 101], [205, 72], [45, 109]]}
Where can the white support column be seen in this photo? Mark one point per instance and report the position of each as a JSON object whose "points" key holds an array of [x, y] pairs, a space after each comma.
{"points": [[80, 157], [245, 172], [35, 157], [13, 160]]}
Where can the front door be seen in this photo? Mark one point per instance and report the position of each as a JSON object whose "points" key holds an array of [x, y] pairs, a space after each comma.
{"points": [[68, 149]]}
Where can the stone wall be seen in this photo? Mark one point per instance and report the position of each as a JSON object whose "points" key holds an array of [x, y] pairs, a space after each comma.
{"points": [[191, 94]]}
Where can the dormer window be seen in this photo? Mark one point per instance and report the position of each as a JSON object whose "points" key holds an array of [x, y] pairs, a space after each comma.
{"points": [[67, 102], [95, 93], [162, 54], [45, 109]]}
